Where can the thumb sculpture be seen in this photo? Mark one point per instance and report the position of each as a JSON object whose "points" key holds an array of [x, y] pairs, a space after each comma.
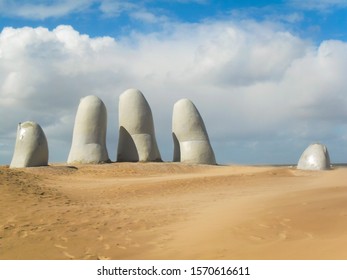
{"points": [[191, 142], [137, 140], [315, 157], [89, 134], [31, 147]]}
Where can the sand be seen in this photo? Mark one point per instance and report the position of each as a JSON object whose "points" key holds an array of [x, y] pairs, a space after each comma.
{"points": [[172, 211]]}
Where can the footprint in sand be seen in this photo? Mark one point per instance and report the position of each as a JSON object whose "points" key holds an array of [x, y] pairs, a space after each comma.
{"points": [[100, 238], [282, 235], [121, 247], [284, 223], [263, 226], [88, 255], [166, 237], [69, 255], [23, 234], [256, 238], [103, 258], [60, 246], [9, 226], [63, 238], [66, 254]]}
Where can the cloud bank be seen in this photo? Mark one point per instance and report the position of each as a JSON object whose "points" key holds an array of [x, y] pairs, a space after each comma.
{"points": [[264, 93]]}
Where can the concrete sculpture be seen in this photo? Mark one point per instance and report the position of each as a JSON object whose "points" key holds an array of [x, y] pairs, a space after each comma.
{"points": [[191, 142], [137, 140], [89, 134], [31, 148], [315, 157]]}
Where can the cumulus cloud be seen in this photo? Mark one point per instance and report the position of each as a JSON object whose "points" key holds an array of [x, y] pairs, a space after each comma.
{"points": [[264, 93]]}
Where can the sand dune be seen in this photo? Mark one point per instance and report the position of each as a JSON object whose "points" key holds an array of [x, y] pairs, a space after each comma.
{"points": [[172, 211]]}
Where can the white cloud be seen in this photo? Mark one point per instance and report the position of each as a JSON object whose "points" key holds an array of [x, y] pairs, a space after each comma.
{"points": [[320, 5], [39, 9], [112, 8], [264, 93], [147, 17]]}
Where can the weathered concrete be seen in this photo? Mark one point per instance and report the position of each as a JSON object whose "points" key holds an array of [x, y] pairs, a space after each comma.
{"points": [[315, 157], [31, 147], [89, 134], [137, 140], [191, 141]]}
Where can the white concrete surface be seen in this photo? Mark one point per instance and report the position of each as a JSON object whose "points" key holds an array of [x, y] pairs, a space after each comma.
{"points": [[191, 141], [137, 141], [89, 134], [31, 148]]}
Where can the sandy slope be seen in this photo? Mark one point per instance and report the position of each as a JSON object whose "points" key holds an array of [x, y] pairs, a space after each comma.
{"points": [[172, 211]]}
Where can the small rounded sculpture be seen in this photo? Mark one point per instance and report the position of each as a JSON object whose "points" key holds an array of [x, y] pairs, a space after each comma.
{"points": [[137, 140], [315, 157], [31, 147], [191, 142], [89, 134]]}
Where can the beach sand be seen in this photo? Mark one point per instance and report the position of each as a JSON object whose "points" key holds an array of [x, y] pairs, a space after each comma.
{"points": [[172, 211]]}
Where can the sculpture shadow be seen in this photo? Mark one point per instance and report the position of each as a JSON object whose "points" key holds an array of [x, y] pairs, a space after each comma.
{"points": [[127, 151]]}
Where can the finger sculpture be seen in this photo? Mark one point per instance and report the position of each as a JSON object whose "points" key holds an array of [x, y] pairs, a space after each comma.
{"points": [[191, 141], [137, 140], [89, 134], [31, 148], [315, 157]]}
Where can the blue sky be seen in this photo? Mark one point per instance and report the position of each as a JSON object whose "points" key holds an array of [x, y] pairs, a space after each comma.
{"points": [[268, 77], [317, 19]]}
